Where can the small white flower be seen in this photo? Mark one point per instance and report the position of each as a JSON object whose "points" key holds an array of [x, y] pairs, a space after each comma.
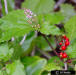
{"points": [[29, 13]]}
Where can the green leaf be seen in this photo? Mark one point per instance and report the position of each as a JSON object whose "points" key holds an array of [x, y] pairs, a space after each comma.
{"points": [[56, 60], [36, 68], [39, 6], [54, 64], [10, 5], [43, 45], [15, 26], [47, 29], [3, 72], [30, 60], [47, 23], [34, 65], [18, 51], [70, 28], [71, 50], [68, 11], [16, 68], [52, 18], [29, 43], [5, 52]]}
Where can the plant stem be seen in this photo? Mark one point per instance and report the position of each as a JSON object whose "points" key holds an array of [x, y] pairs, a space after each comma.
{"points": [[6, 9], [51, 47], [58, 3], [48, 42], [65, 65], [22, 41]]}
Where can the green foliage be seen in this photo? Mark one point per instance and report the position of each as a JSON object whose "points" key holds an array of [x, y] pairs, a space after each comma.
{"points": [[39, 6], [15, 26], [24, 59], [71, 50], [18, 51], [47, 23], [5, 52], [53, 18], [70, 28], [29, 43], [56, 60], [35, 65], [2, 72], [10, 6], [16, 68], [47, 29], [43, 45], [54, 64], [68, 11]]}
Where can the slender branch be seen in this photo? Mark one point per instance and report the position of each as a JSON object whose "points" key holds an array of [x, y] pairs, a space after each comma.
{"points": [[58, 3], [51, 47], [65, 65], [48, 42], [22, 41], [6, 9]]}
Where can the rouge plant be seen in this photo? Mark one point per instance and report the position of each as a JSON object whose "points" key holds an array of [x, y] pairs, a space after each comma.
{"points": [[38, 38]]}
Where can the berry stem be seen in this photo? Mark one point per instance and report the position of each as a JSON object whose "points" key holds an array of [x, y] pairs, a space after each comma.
{"points": [[65, 65], [51, 47]]}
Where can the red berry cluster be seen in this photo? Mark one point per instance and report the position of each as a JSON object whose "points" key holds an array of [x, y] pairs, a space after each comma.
{"points": [[63, 45]]}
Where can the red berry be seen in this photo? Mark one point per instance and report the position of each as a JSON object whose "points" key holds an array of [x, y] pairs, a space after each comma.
{"points": [[64, 55], [64, 36], [67, 39], [61, 54], [67, 43], [60, 43], [63, 48]]}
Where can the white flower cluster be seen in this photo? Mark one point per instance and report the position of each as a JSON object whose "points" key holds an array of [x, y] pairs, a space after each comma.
{"points": [[29, 13]]}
